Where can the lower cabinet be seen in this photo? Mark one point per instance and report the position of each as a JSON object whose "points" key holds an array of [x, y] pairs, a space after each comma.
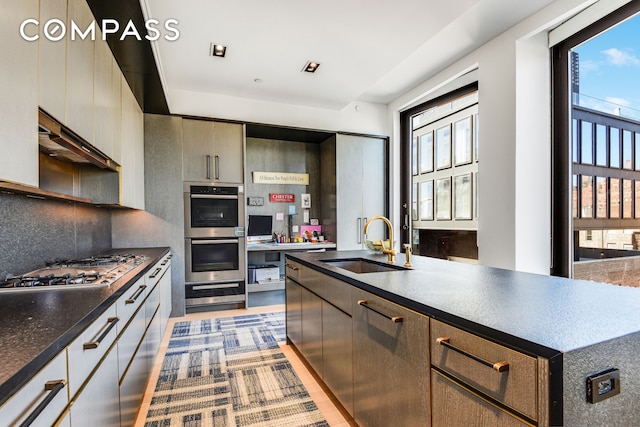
{"points": [[293, 295], [312, 329], [469, 372], [132, 386], [390, 364], [454, 405], [337, 354], [98, 404], [42, 399], [99, 379]]}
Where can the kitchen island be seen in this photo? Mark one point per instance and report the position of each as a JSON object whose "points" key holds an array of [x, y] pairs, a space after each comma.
{"points": [[42, 324], [554, 332]]}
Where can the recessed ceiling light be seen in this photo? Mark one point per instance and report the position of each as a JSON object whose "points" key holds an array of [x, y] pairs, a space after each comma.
{"points": [[311, 67], [217, 50]]}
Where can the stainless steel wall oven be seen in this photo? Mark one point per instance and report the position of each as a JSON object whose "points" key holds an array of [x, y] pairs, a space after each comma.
{"points": [[214, 243]]}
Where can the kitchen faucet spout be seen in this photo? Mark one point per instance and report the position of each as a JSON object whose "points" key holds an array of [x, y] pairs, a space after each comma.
{"points": [[391, 254]]}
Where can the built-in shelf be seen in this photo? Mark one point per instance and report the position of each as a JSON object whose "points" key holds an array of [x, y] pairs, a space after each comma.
{"points": [[38, 193]]}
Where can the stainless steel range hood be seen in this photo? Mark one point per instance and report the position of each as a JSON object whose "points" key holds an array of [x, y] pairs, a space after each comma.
{"points": [[60, 142]]}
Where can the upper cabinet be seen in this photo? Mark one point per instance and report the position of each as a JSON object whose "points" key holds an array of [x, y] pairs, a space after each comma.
{"points": [[80, 69], [103, 107], [19, 100], [80, 85], [52, 83], [213, 151], [132, 145]]}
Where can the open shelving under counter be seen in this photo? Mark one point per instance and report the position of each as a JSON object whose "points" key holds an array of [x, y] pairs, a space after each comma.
{"points": [[272, 253]]}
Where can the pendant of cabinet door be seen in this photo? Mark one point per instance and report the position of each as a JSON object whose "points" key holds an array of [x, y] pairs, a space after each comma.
{"points": [[213, 151]]}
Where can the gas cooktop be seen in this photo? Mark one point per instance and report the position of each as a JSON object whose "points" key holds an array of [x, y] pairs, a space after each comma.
{"points": [[99, 270]]}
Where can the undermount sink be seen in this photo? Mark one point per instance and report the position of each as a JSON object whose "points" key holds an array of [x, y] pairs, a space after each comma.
{"points": [[362, 265]]}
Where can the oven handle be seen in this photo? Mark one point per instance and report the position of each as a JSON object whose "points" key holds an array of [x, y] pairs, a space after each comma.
{"points": [[213, 196], [213, 242], [205, 287]]}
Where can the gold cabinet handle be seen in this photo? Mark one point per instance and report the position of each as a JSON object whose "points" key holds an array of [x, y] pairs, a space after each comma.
{"points": [[53, 387], [394, 319], [135, 296], [497, 366], [94, 344], [155, 273]]}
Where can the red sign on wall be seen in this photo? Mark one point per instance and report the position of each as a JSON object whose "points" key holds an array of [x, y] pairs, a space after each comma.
{"points": [[279, 197]]}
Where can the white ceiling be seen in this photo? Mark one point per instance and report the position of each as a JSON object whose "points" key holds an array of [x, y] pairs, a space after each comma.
{"points": [[369, 50]]}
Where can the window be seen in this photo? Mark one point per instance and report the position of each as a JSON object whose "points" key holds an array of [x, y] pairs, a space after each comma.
{"points": [[598, 165], [442, 178]]}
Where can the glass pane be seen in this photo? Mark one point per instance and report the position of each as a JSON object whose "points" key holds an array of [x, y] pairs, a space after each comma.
{"points": [[475, 135], [601, 145], [574, 140], [414, 202], [426, 152], [627, 149], [443, 198], [627, 198], [426, 201], [462, 191], [586, 145], [637, 137], [614, 147], [462, 141], [637, 199], [414, 156], [601, 197], [587, 197], [574, 196], [443, 147], [614, 198]]}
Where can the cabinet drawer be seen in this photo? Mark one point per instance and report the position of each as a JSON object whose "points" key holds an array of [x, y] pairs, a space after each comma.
{"points": [[458, 352], [130, 340], [326, 287], [85, 352], [293, 270], [151, 304], [156, 272], [453, 406], [128, 304], [49, 384]]}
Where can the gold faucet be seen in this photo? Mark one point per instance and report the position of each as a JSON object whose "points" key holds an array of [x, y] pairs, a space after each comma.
{"points": [[391, 254]]}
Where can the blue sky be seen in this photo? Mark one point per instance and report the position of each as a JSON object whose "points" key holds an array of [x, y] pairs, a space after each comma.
{"points": [[610, 69]]}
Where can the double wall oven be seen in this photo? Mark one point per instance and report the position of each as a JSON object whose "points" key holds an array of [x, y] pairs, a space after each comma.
{"points": [[214, 243]]}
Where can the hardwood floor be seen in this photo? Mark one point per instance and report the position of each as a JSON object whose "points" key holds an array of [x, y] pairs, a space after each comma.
{"points": [[331, 413]]}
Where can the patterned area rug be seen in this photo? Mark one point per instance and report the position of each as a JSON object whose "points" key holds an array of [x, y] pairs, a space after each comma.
{"points": [[230, 372]]}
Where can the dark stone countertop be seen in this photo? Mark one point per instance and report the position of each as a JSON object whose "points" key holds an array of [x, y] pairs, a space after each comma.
{"points": [[541, 315], [38, 323]]}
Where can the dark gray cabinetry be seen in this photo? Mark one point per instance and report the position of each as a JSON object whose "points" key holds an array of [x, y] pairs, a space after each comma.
{"points": [[293, 293], [312, 329], [390, 364], [213, 151], [320, 330], [454, 405], [337, 354]]}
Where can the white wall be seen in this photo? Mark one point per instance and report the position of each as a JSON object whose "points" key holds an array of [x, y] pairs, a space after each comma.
{"points": [[515, 138], [357, 117]]}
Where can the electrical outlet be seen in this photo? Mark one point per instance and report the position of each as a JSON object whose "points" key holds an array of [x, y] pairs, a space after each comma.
{"points": [[255, 201], [603, 385]]}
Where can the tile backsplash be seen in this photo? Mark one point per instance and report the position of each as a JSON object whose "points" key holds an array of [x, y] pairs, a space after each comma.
{"points": [[33, 231]]}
